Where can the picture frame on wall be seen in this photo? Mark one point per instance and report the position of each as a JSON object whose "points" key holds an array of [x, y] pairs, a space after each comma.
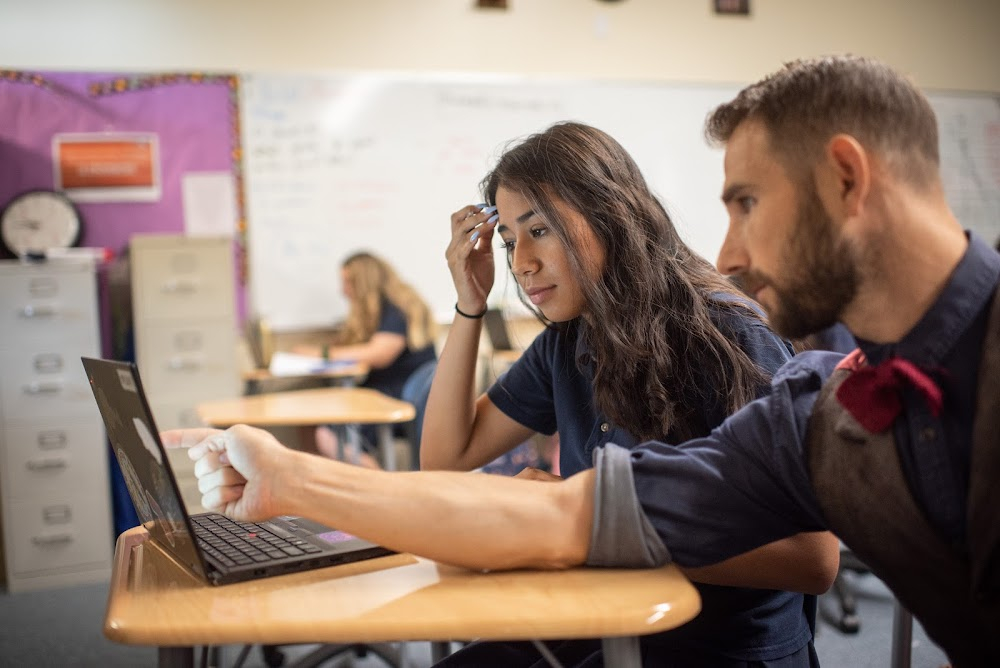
{"points": [[732, 7], [107, 166]]}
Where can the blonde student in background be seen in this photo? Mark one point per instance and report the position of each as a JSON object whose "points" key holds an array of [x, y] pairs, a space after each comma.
{"points": [[389, 328], [644, 339]]}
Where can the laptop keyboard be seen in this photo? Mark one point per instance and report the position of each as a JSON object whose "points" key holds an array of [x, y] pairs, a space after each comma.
{"points": [[241, 543]]}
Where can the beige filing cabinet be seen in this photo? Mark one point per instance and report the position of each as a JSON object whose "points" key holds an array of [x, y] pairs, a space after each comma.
{"points": [[184, 319], [54, 485]]}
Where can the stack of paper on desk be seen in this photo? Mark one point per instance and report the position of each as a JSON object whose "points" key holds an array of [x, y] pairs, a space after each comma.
{"points": [[292, 364]]}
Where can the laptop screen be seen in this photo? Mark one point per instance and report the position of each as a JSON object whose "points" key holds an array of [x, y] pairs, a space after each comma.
{"points": [[496, 329], [142, 459]]}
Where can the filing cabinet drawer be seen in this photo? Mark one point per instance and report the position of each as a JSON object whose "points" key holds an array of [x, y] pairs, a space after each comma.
{"points": [[53, 453], [37, 385], [42, 461], [189, 358], [62, 532], [193, 279], [45, 309], [175, 414]]}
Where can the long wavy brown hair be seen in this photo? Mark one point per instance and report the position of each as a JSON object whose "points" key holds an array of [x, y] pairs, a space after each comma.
{"points": [[372, 280], [656, 351]]}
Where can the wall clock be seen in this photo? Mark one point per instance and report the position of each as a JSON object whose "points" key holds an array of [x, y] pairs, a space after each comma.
{"points": [[37, 221]]}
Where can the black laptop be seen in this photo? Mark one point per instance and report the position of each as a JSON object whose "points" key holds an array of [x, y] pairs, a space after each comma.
{"points": [[214, 547]]}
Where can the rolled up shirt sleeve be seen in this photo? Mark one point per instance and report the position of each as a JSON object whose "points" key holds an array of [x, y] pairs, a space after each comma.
{"points": [[698, 503], [621, 535]]}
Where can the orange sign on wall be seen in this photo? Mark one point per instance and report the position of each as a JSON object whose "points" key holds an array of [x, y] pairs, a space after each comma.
{"points": [[107, 167]]}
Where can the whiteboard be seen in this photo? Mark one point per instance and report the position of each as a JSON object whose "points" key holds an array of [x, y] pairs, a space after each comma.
{"points": [[337, 163], [969, 136]]}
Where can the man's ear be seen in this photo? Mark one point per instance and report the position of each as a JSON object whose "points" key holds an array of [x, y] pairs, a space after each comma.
{"points": [[849, 169]]}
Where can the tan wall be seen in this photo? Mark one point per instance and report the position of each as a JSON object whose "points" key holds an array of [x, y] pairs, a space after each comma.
{"points": [[944, 44]]}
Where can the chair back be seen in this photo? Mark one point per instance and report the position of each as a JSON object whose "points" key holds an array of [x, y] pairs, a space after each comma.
{"points": [[415, 391]]}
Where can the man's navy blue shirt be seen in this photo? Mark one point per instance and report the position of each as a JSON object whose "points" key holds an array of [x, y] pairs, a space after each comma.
{"points": [[747, 483]]}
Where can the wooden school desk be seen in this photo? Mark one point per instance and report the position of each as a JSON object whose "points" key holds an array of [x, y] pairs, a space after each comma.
{"points": [[324, 405], [153, 601]]}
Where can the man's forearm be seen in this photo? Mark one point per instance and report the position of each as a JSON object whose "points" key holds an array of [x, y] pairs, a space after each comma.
{"points": [[467, 519]]}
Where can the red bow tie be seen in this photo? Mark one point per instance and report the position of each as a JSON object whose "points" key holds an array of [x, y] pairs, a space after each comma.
{"points": [[871, 393]]}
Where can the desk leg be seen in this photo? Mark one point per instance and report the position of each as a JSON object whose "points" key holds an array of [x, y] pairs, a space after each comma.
{"points": [[622, 652], [387, 447], [176, 657], [353, 452], [902, 637], [440, 650]]}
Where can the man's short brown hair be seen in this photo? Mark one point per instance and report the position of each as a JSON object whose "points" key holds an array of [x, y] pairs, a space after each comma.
{"points": [[807, 102]]}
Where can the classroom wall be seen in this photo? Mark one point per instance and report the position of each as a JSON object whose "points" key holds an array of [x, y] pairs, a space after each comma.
{"points": [[944, 44], [194, 119]]}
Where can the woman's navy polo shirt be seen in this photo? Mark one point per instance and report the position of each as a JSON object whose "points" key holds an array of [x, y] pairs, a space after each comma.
{"points": [[547, 391], [525, 392]]}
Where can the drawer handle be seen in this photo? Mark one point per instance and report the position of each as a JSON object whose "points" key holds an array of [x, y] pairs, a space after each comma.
{"points": [[57, 514], [48, 363], [187, 341], [54, 539], [184, 364], [33, 311], [43, 287], [43, 388], [51, 440], [180, 286], [46, 464]]}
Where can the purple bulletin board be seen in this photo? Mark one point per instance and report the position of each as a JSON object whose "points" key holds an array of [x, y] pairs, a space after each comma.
{"points": [[194, 116]]}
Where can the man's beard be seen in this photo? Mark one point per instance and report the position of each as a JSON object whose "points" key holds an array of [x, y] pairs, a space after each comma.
{"points": [[822, 278]]}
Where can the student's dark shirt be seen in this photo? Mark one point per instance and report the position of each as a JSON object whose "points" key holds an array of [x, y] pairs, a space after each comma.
{"points": [[546, 390], [837, 338], [391, 379]]}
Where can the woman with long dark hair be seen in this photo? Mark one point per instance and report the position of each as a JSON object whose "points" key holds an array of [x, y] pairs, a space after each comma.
{"points": [[644, 340]]}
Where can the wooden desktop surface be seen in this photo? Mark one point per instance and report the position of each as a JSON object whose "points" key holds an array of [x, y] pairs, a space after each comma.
{"points": [[324, 405], [154, 601]]}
